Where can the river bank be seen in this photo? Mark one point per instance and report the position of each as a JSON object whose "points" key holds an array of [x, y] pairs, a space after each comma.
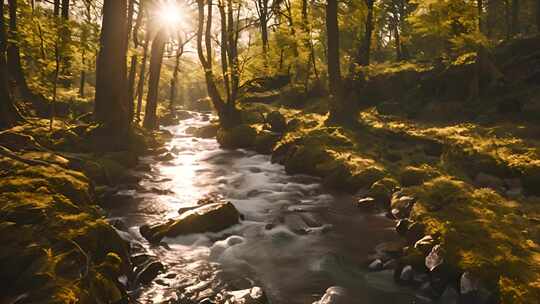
{"points": [[58, 246]]}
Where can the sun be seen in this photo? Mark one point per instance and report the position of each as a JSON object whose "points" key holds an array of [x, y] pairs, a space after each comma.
{"points": [[169, 14]]}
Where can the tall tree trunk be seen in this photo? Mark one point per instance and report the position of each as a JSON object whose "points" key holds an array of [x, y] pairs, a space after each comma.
{"points": [[156, 60], [538, 16], [9, 114], [65, 40], [263, 20], [480, 8], [403, 28], [111, 83], [131, 87], [507, 19], [56, 9], [228, 114], [15, 66], [174, 82], [515, 26], [364, 52], [332, 36], [140, 85], [341, 110]]}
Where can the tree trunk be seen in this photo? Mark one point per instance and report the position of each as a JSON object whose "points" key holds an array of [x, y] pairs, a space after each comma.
{"points": [[111, 83], [340, 111], [156, 59], [56, 10], [332, 36], [538, 16], [480, 8], [364, 52], [131, 87], [65, 40], [9, 114], [15, 66], [515, 27], [140, 85], [228, 115]]}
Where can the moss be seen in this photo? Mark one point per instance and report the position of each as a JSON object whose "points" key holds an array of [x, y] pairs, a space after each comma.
{"points": [[242, 136]]}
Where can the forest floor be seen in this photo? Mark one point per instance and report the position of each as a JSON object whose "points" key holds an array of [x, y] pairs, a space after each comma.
{"points": [[57, 244]]}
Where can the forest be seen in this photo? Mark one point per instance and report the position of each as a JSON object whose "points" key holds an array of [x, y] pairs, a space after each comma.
{"points": [[270, 151]]}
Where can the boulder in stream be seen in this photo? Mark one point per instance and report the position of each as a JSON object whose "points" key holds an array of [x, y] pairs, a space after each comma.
{"points": [[207, 218], [335, 295]]}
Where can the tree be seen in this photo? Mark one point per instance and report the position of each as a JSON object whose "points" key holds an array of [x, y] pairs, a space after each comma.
{"points": [[228, 114], [9, 114], [156, 60], [538, 16], [514, 25], [364, 51], [111, 83], [15, 66]]}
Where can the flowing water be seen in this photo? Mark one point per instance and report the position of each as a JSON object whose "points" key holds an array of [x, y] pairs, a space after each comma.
{"points": [[296, 239]]}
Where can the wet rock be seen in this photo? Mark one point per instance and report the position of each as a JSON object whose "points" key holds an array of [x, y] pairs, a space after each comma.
{"points": [[366, 204], [277, 121], [435, 258], [165, 157], [208, 218], [382, 191], [390, 264], [402, 226], [376, 265], [402, 205], [415, 232], [149, 272], [209, 131], [183, 115], [140, 259], [449, 296], [425, 244], [335, 295], [406, 274], [413, 176], [468, 283], [242, 136], [254, 295]]}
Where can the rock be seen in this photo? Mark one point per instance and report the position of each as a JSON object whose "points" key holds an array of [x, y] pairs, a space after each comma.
{"points": [[335, 295], [165, 157], [266, 141], [254, 295], [489, 181], [209, 131], [207, 218], [376, 265], [382, 191], [402, 205], [149, 272], [468, 283], [425, 244], [449, 296], [413, 176], [201, 104], [277, 121], [366, 204], [415, 232], [389, 108], [402, 226], [183, 115], [242, 136], [390, 264], [406, 274], [435, 258]]}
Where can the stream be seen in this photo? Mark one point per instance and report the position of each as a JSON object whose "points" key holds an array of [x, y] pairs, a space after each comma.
{"points": [[296, 240]]}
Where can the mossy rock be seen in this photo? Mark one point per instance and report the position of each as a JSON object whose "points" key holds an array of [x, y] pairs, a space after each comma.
{"points": [[366, 177], [266, 141], [382, 191], [209, 131], [413, 176], [277, 121], [308, 160], [531, 179], [242, 136]]}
